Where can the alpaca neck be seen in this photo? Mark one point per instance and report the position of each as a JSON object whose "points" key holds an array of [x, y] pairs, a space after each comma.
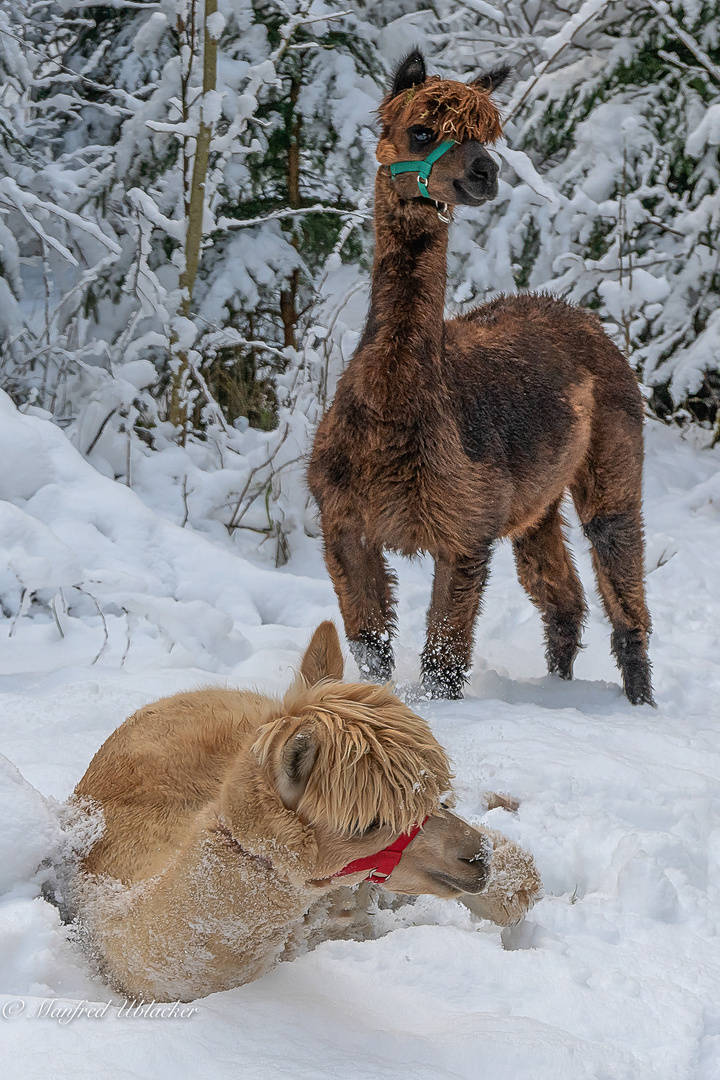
{"points": [[402, 347]]}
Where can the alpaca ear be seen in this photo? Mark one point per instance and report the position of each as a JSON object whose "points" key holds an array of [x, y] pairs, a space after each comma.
{"points": [[409, 72], [323, 657], [296, 763], [492, 79]]}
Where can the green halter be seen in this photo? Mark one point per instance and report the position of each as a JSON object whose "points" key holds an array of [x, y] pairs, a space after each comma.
{"points": [[422, 168]]}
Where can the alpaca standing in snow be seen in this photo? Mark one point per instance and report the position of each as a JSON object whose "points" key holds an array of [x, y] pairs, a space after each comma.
{"points": [[446, 435], [231, 820]]}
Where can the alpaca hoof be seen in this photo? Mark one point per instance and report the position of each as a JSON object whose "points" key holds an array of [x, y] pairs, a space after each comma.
{"points": [[629, 652], [563, 645], [444, 683], [373, 655], [638, 688], [560, 661]]}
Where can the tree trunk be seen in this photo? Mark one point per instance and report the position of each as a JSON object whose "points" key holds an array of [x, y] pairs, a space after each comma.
{"points": [[178, 403], [288, 296]]}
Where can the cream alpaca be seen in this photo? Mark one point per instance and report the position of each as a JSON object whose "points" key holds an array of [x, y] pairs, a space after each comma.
{"points": [[228, 815]]}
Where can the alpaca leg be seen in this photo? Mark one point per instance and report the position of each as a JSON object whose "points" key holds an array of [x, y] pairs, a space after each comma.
{"points": [[457, 590], [617, 543], [616, 535], [547, 574], [365, 592]]}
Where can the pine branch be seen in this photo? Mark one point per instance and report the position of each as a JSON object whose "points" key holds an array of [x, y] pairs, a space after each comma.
{"points": [[689, 42]]}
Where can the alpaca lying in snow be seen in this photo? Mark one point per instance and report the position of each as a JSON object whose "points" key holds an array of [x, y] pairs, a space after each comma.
{"points": [[232, 821]]}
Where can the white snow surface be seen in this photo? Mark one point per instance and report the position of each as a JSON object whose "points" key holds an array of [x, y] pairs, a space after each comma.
{"points": [[614, 975]]}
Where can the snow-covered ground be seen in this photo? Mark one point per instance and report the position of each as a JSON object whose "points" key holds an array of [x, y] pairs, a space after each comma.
{"points": [[615, 973]]}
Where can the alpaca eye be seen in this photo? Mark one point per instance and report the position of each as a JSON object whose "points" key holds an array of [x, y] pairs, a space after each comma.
{"points": [[372, 827], [421, 135]]}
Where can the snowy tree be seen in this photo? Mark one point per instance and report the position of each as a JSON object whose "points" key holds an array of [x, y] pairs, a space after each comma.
{"points": [[204, 143], [52, 245]]}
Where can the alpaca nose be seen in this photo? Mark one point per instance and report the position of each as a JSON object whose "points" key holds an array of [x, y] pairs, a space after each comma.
{"points": [[483, 172], [478, 865]]}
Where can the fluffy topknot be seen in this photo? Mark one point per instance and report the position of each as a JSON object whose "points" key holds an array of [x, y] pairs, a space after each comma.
{"points": [[455, 110], [374, 757]]}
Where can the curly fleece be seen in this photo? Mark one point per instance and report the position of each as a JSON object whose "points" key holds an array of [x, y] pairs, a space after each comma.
{"points": [[453, 109]]}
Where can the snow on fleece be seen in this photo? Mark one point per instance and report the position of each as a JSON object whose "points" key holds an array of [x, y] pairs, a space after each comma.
{"points": [[615, 974]]}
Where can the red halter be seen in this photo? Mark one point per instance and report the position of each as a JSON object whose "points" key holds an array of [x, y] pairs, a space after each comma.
{"points": [[382, 864]]}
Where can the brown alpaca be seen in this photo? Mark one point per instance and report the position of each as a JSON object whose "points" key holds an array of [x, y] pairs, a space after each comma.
{"points": [[229, 817], [446, 435]]}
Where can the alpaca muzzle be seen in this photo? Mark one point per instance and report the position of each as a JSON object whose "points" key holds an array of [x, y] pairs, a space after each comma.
{"points": [[422, 168], [382, 863]]}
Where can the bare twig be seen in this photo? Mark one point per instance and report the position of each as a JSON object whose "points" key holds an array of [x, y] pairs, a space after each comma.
{"points": [[128, 481], [185, 501], [22, 608], [211, 402], [99, 432], [56, 617], [106, 635], [124, 656], [78, 5], [237, 514], [277, 215], [273, 474], [232, 337]]}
